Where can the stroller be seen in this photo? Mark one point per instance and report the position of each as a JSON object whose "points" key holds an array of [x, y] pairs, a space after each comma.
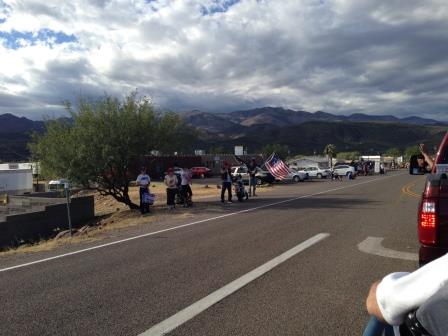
{"points": [[182, 197], [240, 190]]}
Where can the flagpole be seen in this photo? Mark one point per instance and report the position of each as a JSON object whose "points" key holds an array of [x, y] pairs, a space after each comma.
{"points": [[269, 158]]}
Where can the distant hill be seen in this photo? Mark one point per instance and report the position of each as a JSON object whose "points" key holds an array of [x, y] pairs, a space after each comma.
{"points": [[310, 137], [9, 123], [306, 132], [211, 122], [14, 135], [277, 116], [302, 131]]}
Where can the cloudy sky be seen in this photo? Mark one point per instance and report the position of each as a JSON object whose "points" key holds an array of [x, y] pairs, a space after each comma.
{"points": [[339, 56]]}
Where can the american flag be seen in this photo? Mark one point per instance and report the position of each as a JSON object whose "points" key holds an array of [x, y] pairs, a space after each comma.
{"points": [[277, 167]]}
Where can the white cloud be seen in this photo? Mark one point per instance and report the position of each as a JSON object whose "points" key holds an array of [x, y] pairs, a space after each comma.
{"points": [[341, 56]]}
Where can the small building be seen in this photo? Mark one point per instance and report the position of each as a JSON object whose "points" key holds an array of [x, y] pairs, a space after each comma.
{"points": [[199, 152], [34, 166], [16, 181], [376, 159], [393, 162], [240, 150], [318, 162]]}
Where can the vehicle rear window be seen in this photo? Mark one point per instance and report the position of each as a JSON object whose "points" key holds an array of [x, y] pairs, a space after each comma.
{"points": [[443, 158]]}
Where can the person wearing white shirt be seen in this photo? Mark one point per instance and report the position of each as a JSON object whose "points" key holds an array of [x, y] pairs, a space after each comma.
{"points": [[397, 294], [186, 191], [143, 181]]}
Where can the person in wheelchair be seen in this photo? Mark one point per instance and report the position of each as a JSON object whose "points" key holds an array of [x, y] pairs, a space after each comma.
{"points": [[240, 190]]}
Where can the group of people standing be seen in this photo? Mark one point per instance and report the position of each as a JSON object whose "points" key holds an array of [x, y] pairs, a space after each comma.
{"points": [[227, 179], [177, 183]]}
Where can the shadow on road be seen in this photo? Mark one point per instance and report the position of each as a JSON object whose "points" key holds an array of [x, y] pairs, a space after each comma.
{"points": [[322, 203]]}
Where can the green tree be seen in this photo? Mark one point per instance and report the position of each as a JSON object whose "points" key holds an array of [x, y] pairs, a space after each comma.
{"points": [[409, 151], [330, 152], [352, 156], [393, 152], [281, 150], [103, 140], [173, 135]]}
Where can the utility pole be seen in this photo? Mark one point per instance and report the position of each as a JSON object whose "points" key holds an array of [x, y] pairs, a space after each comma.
{"points": [[67, 194]]}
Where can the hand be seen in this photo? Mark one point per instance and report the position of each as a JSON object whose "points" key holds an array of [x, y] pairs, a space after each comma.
{"points": [[423, 148], [372, 303]]}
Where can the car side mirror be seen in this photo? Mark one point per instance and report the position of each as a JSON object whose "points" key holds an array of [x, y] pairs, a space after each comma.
{"points": [[415, 168]]}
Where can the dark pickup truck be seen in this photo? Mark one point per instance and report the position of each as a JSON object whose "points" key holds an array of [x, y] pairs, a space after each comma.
{"points": [[433, 209]]}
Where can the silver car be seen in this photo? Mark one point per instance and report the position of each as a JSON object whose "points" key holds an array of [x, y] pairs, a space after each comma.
{"points": [[296, 175], [344, 170], [316, 172]]}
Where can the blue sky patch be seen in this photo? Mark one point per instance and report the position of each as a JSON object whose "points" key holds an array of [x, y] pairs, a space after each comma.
{"points": [[219, 6], [16, 40]]}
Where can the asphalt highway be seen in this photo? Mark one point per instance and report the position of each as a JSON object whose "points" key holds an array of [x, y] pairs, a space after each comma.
{"points": [[128, 287]]}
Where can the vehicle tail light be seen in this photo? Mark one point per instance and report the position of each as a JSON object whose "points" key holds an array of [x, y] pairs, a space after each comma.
{"points": [[427, 221]]}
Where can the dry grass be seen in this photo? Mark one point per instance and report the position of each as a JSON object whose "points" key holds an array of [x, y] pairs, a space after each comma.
{"points": [[48, 245], [106, 204]]}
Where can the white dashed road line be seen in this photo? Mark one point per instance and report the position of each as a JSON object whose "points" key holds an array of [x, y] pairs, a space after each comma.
{"points": [[198, 307]]}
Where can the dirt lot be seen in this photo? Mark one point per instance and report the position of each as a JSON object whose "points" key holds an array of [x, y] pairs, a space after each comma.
{"points": [[107, 204]]}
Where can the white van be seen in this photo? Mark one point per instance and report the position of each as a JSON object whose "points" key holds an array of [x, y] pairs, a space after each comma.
{"points": [[57, 185]]}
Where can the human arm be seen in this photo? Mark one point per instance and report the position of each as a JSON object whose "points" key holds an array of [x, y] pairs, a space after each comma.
{"points": [[372, 303], [428, 159], [401, 292]]}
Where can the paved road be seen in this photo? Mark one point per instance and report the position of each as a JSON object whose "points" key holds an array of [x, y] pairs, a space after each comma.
{"points": [[126, 288]]}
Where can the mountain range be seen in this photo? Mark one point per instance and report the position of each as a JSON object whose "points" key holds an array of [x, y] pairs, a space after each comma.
{"points": [[308, 133], [303, 132], [279, 117]]}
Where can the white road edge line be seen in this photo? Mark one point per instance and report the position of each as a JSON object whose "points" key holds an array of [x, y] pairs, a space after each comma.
{"points": [[188, 224], [198, 307], [372, 245]]}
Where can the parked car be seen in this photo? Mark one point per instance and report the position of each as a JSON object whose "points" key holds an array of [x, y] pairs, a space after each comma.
{"points": [[344, 170], [433, 209], [201, 172], [295, 176], [262, 176], [316, 172], [240, 170]]}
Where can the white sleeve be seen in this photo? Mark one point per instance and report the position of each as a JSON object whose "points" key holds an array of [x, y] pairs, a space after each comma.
{"points": [[399, 293]]}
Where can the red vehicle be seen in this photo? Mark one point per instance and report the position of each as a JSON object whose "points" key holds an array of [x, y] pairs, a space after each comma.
{"points": [[201, 172], [433, 209]]}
